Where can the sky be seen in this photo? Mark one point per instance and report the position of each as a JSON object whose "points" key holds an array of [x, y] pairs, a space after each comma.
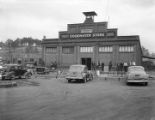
{"points": [[38, 18]]}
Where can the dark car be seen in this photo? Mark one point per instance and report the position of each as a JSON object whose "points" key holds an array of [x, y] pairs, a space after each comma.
{"points": [[79, 73], [13, 71], [42, 70]]}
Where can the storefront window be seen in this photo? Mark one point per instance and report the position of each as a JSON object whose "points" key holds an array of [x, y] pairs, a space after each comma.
{"points": [[126, 49], [51, 50], [86, 49], [106, 49], [68, 50]]}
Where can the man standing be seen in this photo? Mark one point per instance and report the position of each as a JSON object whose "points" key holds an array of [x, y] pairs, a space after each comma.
{"points": [[102, 66], [125, 66], [110, 65]]}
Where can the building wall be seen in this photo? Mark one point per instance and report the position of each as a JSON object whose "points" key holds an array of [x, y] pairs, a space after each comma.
{"points": [[50, 58], [115, 56], [97, 27], [96, 35], [68, 59], [105, 58], [21, 54]]}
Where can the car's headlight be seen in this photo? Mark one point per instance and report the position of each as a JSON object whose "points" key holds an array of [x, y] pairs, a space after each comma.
{"points": [[145, 76], [83, 74], [130, 76]]}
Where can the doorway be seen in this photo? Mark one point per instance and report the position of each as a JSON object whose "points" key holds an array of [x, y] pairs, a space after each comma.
{"points": [[87, 62]]}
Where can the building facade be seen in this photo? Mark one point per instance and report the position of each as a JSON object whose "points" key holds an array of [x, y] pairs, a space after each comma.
{"points": [[22, 54], [91, 42], [27, 54]]}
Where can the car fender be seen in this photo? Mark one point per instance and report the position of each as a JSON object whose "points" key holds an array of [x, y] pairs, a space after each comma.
{"points": [[27, 74], [9, 74]]}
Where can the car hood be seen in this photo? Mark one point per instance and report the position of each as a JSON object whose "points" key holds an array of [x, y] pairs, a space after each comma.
{"points": [[74, 72]]}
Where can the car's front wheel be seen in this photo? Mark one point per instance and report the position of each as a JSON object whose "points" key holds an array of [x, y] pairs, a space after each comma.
{"points": [[146, 83], [69, 80], [127, 83], [28, 75]]}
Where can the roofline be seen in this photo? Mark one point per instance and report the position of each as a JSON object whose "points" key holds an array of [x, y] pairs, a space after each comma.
{"points": [[87, 24], [90, 13], [73, 41], [148, 57]]}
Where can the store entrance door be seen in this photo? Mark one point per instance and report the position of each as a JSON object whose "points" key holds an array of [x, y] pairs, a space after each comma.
{"points": [[87, 62]]}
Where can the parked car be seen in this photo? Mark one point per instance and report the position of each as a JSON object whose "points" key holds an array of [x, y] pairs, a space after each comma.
{"points": [[42, 70], [53, 67], [79, 73], [30, 67], [13, 71], [137, 74]]}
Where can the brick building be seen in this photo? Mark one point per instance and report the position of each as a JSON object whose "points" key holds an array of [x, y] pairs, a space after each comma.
{"points": [[91, 42], [27, 54]]}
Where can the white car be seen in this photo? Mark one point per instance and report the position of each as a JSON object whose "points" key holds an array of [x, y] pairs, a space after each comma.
{"points": [[137, 74]]}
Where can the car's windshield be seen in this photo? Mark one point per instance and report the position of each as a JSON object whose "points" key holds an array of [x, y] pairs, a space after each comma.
{"points": [[10, 68], [76, 68], [40, 69]]}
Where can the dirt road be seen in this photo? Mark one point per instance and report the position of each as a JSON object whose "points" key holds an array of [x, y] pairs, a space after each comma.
{"points": [[52, 99]]}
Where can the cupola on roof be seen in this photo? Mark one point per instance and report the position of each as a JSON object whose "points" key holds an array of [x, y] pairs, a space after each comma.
{"points": [[89, 16]]}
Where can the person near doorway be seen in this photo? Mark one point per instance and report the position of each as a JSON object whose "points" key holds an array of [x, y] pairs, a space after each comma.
{"points": [[125, 66], [99, 65], [118, 68], [110, 65], [93, 65], [121, 66], [58, 74], [102, 65]]}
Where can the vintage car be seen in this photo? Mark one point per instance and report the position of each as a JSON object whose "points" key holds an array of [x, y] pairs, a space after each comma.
{"points": [[42, 70], [79, 73], [137, 74], [13, 71], [30, 67]]}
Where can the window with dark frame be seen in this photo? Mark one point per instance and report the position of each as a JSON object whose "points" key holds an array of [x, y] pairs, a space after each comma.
{"points": [[51, 50], [126, 48], [86, 49], [68, 50], [106, 49]]}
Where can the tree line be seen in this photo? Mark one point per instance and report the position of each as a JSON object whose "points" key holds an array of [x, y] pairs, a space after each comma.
{"points": [[19, 42]]}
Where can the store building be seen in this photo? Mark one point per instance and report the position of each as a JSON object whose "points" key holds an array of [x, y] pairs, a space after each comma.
{"points": [[91, 42]]}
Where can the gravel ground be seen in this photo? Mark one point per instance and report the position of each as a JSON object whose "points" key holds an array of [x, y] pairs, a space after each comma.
{"points": [[48, 98]]}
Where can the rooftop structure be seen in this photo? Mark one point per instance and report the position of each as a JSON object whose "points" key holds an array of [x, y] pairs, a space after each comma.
{"points": [[89, 16]]}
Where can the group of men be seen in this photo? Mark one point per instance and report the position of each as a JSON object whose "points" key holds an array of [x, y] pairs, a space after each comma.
{"points": [[100, 66], [122, 66]]}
